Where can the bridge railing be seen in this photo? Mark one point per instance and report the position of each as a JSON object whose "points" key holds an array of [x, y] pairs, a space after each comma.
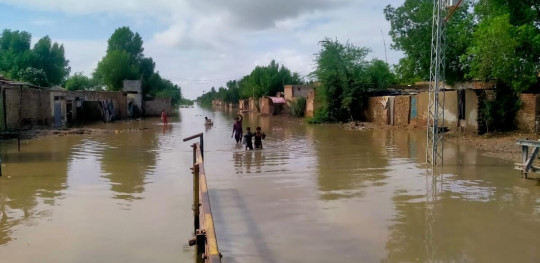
{"points": [[203, 220]]}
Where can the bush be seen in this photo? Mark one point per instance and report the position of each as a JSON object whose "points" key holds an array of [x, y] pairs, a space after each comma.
{"points": [[320, 116], [298, 107], [499, 114]]}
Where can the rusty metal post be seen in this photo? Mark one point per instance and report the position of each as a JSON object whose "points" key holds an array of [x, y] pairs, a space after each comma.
{"points": [[194, 153], [196, 202], [202, 145]]}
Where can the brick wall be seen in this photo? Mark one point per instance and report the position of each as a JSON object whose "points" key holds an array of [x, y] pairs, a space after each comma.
{"points": [[402, 106], [525, 117], [155, 106]]}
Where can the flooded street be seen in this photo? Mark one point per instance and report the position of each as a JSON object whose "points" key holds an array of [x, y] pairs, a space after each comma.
{"points": [[313, 194]]}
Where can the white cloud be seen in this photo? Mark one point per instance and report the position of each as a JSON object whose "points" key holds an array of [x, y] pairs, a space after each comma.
{"points": [[204, 43], [83, 55]]}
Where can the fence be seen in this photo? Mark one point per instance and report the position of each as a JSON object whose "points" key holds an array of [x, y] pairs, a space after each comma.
{"points": [[203, 221]]}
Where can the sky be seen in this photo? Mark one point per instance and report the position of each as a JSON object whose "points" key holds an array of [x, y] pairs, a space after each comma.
{"points": [[199, 44]]}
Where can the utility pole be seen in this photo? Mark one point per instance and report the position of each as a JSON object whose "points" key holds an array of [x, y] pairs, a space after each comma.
{"points": [[442, 10]]}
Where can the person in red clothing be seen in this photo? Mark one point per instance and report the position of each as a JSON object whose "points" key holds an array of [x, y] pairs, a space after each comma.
{"points": [[164, 117]]}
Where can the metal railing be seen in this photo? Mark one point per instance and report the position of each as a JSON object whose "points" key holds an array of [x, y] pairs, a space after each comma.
{"points": [[203, 221]]}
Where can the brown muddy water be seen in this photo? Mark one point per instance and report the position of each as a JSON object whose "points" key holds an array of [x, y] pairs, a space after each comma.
{"points": [[313, 194]]}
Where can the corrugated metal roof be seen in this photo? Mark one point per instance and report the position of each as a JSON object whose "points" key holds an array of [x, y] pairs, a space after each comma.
{"points": [[277, 100]]}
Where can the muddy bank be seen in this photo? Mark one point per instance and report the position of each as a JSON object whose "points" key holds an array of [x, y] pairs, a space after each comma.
{"points": [[499, 145]]}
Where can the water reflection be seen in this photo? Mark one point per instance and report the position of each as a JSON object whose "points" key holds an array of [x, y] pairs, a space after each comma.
{"points": [[349, 161], [127, 160], [34, 179]]}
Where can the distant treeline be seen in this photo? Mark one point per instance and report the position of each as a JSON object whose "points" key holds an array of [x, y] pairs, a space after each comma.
{"points": [[343, 74], [45, 65], [262, 81]]}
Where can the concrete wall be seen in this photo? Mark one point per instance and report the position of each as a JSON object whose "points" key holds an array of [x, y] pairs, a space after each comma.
{"points": [[451, 116], [526, 116], [34, 111], [471, 111], [291, 91], [310, 104], [266, 106], [153, 108], [134, 90], [288, 92], [252, 106], [119, 99]]}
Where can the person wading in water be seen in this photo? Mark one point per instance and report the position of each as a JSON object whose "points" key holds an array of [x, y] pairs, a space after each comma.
{"points": [[164, 117], [247, 137], [259, 136], [237, 128]]}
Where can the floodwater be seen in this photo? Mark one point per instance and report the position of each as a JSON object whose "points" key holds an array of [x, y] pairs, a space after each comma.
{"points": [[313, 194]]}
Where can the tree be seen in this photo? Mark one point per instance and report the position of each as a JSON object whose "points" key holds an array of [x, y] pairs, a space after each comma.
{"points": [[80, 82], [15, 53], [124, 39], [267, 80], [379, 74], [16, 57], [116, 67], [50, 58], [341, 70], [411, 28], [34, 76], [506, 43]]}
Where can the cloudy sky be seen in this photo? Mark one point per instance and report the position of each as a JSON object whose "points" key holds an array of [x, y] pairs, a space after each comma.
{"points": [[203, 43]]}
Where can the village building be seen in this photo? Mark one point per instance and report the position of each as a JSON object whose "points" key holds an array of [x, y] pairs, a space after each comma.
{"points": [[270, 105], [26, 106], [462, 107]]}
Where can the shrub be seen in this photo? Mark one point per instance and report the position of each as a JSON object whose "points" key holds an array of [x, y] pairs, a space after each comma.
{"points": [[298, 107]]}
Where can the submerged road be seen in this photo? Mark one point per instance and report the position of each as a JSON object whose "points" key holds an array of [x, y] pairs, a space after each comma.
{"points": [[313, 194]]}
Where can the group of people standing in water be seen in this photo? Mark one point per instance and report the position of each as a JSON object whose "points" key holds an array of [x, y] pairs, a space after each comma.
{"points": [[246, 139]]}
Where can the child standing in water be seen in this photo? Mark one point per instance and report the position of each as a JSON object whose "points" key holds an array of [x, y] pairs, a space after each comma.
{"points": [[259, 136], [237, 128], [164, 117], [248, 136]]}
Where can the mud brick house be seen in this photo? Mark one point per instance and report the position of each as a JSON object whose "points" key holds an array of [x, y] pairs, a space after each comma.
{"points": [[462, 104], [24, 106]]}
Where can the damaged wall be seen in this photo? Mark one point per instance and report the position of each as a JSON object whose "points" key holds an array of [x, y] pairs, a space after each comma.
{"points": [[526, 116]]}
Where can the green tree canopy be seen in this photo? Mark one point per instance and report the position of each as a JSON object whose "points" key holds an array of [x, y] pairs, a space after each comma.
{"points": [[16, 57], [124, 39], [345, 76], [124, 59], [50, 57], [411, 28], [116, 67], [80, 82], [506, 43], [267, 80], [34, 76]]}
